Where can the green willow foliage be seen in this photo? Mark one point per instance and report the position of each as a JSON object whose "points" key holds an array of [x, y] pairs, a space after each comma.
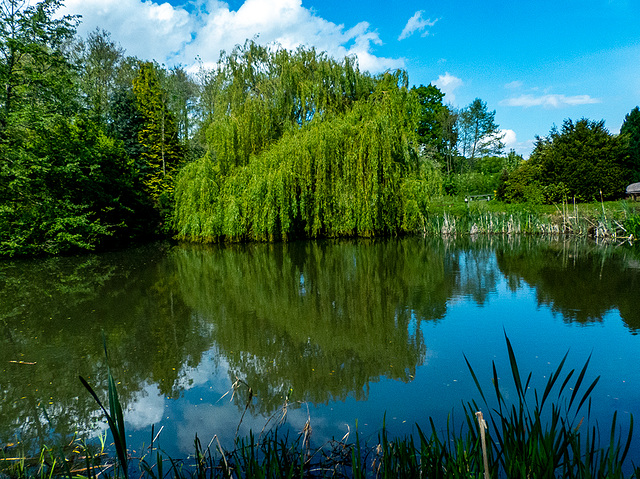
{"points": [[303, 145]]}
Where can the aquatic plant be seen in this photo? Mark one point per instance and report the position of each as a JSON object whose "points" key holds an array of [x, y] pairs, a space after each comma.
{"points": [[115, 418], [542, 438]]}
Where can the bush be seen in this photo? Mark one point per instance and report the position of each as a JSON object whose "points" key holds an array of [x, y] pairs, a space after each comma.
{"points": [[583, 161], [522, 185]]}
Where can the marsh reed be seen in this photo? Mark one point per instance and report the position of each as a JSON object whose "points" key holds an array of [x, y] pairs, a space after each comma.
{"points": [[618, 221]]}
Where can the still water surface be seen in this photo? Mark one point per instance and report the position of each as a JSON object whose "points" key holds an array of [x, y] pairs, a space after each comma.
{"points": [[342, 330]]}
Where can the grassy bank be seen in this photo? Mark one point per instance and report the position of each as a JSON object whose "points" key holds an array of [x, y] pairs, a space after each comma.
{"points": [[615, 220], [545, 433]]}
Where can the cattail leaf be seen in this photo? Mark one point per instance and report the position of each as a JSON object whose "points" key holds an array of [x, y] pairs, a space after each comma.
{"points": [[514, 368], [475, 379], [579, 380]]}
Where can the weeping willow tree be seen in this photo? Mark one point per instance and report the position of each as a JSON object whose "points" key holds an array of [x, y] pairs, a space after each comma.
{"points": [[301, 145]]}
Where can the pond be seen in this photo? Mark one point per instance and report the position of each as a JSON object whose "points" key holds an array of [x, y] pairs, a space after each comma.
{"points": [[338, 330]]}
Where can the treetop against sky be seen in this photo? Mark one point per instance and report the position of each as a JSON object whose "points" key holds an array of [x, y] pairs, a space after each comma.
{"points": [[536, 64]]}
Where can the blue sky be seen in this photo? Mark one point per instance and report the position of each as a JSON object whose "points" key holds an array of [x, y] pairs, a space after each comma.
{"points": [[535, 63]]}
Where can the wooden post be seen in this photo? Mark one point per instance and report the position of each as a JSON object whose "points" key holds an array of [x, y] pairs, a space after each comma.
{"points": [[483, 427]]}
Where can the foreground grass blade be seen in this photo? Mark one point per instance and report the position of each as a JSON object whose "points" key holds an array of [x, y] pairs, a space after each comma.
{"points": [[514, 368], [115, 417], [475, 379]]}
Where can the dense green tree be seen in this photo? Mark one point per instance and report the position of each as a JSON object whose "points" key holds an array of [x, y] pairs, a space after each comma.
{"points": [[448, 120], [430, 129], [125, 122], [522, 185], [65, 185], [257, 96], [631, 130], [508, 164], [35, 74], [582, 161], [161, 152], [183, 103], [182, 95], [37, 97], [100, 59], [71, 188]]}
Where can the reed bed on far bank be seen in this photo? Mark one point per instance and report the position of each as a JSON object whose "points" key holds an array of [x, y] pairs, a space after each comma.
{"points": [[616, 221], [532, 434]]}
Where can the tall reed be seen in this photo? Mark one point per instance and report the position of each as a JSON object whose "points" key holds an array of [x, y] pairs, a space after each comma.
{"points": [[541, 437], [115, 417], [618, 221]]}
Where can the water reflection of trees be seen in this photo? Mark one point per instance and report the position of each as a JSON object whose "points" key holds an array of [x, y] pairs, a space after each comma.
{"points": [[323, 319], [579, 280], [52, 317]]}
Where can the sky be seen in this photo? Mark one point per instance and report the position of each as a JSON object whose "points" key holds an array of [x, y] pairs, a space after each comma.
{"points": [[534, 63]]}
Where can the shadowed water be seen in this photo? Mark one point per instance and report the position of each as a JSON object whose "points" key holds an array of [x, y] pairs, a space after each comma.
{"points": [[339, 330]]}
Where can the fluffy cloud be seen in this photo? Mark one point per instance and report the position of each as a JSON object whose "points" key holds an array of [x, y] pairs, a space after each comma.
{"points": [[509, 138], [146, 407], [511, 142], [147, 30], [415, 24], [549, 101], [173, 35], [448, 84]]}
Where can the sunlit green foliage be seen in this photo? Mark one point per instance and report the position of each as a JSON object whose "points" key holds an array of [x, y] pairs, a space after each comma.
{"points": [[35, 75], [479, 133], [259, 95], [99, 61], [303, 145], [69, 187], [158, 135], [65, 184], [430, 127], [279, 144]]}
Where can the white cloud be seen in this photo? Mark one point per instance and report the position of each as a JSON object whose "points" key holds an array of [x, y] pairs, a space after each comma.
{"points": [[511, 142], [146, 408], [514, 85], [417, 23], [173, 35], [549, 101], [509, 138], [146, 29], [448, 83]]}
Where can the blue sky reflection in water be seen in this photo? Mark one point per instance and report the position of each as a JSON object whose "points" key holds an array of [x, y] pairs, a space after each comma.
{"points": [[380, 327], [475, 328]]}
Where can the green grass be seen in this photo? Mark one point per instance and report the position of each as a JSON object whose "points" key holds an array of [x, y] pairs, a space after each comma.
{"points": [[536, 434]]}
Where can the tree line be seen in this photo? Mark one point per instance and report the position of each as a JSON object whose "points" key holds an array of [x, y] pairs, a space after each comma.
{"points": [[98, 148]]}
